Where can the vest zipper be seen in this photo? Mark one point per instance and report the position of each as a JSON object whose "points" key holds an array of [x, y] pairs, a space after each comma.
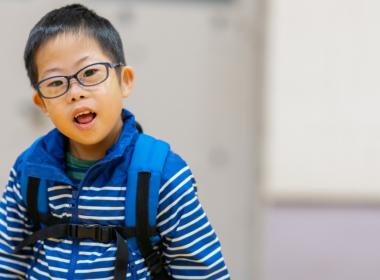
{"points": [[74, 219], [74, 257]]}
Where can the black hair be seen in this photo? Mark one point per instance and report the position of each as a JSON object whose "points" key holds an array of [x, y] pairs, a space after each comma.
{"points": [[74, 18]]}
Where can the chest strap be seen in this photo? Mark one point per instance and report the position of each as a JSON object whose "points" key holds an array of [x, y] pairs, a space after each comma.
{"points": [[104, 234], [60, 228]]}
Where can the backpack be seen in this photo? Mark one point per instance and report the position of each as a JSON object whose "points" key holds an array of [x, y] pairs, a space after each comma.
{"points": [[144, 181]]}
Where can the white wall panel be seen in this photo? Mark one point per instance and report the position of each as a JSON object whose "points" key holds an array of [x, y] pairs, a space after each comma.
{"points": [[322, 117]]}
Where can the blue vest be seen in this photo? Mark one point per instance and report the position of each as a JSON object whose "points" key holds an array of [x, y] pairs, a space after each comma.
{"points": [[139, 233]]}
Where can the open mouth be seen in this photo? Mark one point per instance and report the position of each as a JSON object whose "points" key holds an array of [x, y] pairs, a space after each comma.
{"points": [[84, 117]]}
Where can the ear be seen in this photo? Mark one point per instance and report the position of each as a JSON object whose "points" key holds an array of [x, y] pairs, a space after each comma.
{"points": [[126, 80], [37, 100]]}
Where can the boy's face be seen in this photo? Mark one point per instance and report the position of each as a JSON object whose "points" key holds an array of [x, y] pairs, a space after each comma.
{"points": [[86, 115]]}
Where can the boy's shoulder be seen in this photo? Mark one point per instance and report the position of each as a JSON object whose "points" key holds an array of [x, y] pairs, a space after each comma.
{"points": [[52, 138], [173, 162], [52, 145]]}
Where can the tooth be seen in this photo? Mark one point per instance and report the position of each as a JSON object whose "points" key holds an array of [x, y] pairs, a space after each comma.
{"points": [[82, 113]]}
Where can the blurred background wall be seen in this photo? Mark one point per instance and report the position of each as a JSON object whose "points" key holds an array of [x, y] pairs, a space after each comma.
{"points": [[272, 103], [320, 177]]}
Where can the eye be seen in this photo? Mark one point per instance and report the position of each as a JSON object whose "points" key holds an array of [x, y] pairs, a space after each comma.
{"points": [[55, 83], [90, 72]]}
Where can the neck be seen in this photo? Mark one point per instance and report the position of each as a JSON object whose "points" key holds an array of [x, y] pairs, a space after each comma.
{"points": [[98, 150]]}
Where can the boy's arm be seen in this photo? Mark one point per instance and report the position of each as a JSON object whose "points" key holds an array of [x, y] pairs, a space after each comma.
{"points": [[191, 247], [14, 227]]}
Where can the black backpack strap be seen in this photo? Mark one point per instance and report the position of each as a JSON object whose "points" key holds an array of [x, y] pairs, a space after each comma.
{"points": [[56, 228], [99, 233], [153, 259], [121, 258], [32, 201], [56, 231], [59, 228]]}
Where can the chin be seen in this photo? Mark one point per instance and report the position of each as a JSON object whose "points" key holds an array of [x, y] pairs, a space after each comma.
{"points": [[85, 140], [89, 142]]}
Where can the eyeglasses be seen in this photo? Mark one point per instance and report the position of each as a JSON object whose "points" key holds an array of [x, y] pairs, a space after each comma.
{"points": [[89, 76]]}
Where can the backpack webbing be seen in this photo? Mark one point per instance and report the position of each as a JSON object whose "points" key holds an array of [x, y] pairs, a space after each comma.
{"points": [[144, 178]]}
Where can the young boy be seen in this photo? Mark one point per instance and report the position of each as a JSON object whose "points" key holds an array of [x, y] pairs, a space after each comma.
{"points": [[66, 211]]}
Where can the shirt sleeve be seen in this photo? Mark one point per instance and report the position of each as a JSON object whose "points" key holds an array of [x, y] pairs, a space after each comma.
{"points": [[14, 227], [190, 245]]}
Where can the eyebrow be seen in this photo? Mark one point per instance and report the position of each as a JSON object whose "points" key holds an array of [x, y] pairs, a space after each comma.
{"points": [[60, 69]]}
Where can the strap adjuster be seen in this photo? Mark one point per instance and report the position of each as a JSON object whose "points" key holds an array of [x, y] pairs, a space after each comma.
{"points": [[104, 234], [154, 262]]}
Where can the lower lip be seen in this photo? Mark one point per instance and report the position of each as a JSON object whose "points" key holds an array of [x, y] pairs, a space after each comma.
{"points": [[85, 126]]}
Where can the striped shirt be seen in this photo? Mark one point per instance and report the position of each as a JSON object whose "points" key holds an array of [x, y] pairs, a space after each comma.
{"points": [[76, 168], [190, 246]]}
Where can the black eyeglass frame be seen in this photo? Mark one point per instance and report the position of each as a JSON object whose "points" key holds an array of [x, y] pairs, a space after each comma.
{"points": [[75, 76]]}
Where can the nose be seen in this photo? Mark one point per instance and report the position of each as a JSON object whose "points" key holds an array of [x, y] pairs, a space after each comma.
{"points": [[76, 91]]}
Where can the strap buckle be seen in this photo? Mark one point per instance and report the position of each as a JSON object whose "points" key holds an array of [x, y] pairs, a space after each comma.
{"points": [[154, 263], [104, 234]]}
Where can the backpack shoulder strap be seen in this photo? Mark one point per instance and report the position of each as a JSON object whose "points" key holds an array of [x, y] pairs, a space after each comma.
{"points": [[149, 156], [144, 181], [34, 195], [33, 190], [30, 192]]}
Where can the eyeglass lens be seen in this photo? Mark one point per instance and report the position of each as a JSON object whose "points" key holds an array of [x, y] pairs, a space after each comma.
{"points": [[89, 76]]}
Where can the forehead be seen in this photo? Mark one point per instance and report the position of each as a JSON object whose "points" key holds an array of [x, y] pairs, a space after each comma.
{"points": [[66, 52]]}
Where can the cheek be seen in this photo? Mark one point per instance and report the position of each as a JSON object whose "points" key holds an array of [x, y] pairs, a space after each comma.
{"points": [[58, 121], [112, 99], [56, 115]]}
